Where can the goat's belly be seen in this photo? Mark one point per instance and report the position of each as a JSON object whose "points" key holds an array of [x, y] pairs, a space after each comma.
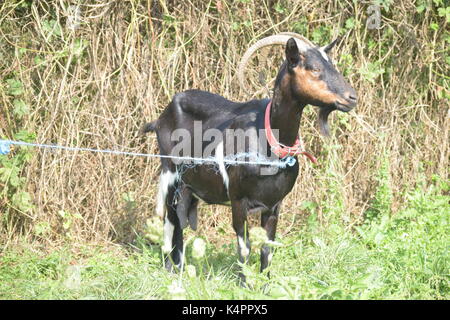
{"points": [[262, 190], [207, 184], [210, 198]]}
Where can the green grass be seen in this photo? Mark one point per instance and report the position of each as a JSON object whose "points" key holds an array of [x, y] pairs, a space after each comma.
{"points": [[404, 256]]}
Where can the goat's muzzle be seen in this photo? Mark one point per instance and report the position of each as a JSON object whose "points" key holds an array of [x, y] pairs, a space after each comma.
{"points": [[345, 106], [348, 102]]}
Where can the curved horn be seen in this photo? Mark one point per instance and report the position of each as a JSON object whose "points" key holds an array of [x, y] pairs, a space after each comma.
{"points": [[280, 38]]}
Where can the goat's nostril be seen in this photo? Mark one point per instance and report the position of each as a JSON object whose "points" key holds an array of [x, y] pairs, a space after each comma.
{"points": [[352, 97]]}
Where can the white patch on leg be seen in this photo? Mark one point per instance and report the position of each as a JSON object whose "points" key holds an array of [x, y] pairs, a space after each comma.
{"points": [[219, 158], [243, 247], [166, 179], [269, 257], [168, 235], [181, 264]]}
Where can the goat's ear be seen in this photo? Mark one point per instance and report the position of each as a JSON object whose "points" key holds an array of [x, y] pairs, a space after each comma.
{"points": [[292, 53], [328, 48]]}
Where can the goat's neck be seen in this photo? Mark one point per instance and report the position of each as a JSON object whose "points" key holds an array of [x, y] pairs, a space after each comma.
{"points": [[285, 116]]}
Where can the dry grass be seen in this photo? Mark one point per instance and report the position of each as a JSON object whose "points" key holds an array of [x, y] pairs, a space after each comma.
{"points": [[139, 53]]}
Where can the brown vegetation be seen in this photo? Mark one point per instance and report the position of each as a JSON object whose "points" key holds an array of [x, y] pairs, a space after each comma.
{"points": [[95, 87]]}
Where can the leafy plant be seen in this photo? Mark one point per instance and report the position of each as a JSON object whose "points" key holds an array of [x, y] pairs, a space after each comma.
{"points": [[444, 12], [68, 220], [20, 108], [10, 174], [321, 35], [382, 201], [14, 87], [51, 29], [371, 71]]}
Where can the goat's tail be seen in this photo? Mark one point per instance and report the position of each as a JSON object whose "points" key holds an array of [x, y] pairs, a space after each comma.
{"points": [[149, 127]]}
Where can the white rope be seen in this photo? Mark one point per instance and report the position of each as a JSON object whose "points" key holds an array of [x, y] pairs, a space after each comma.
{"points": [[4, 149]]}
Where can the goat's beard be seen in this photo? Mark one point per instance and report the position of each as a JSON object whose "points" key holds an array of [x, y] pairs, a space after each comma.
{"points": [[324, 112]]}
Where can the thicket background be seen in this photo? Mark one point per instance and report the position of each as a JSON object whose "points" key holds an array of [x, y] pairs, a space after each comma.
{"points": [[95, 85]]}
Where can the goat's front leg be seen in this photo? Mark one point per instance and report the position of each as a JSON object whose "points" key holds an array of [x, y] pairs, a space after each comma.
{"points": [[239, 212], [173, 233], [269, 221]]}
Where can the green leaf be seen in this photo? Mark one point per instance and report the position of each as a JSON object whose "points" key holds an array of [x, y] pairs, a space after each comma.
{"points": [[434, 26], [22, 200], [20, 108], [372, 71], [444, 12], [62, 213], [25, 136], [279, 8], [79, 46], [15, 87], [128, 196], [309, 205], [421, 8], [39, 61], [42, 229], [350, 23], [168, 19], [51, 28], [67, 224], [321, 35]]}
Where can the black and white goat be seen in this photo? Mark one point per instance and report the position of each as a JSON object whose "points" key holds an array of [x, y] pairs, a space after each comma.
{"points": [[307, 76]]}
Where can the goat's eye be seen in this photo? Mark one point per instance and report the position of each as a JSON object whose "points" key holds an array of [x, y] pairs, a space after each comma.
{"points": [[316, 71]]}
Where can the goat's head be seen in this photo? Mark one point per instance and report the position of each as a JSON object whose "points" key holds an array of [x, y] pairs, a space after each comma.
{"points": [[312, 78], [310, 75]]}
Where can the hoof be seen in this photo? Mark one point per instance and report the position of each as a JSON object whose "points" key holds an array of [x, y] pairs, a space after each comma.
{"points": [[170, 266], [242, 282]]}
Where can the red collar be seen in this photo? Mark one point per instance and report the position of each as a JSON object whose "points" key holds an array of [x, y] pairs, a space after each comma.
{"points": [[279, 149]]}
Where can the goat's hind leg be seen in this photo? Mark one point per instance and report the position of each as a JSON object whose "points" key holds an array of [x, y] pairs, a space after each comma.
{"points": [[187, 208]]}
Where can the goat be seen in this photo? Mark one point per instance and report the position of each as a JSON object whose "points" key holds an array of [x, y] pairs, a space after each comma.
{"points": [[307, 76]]}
